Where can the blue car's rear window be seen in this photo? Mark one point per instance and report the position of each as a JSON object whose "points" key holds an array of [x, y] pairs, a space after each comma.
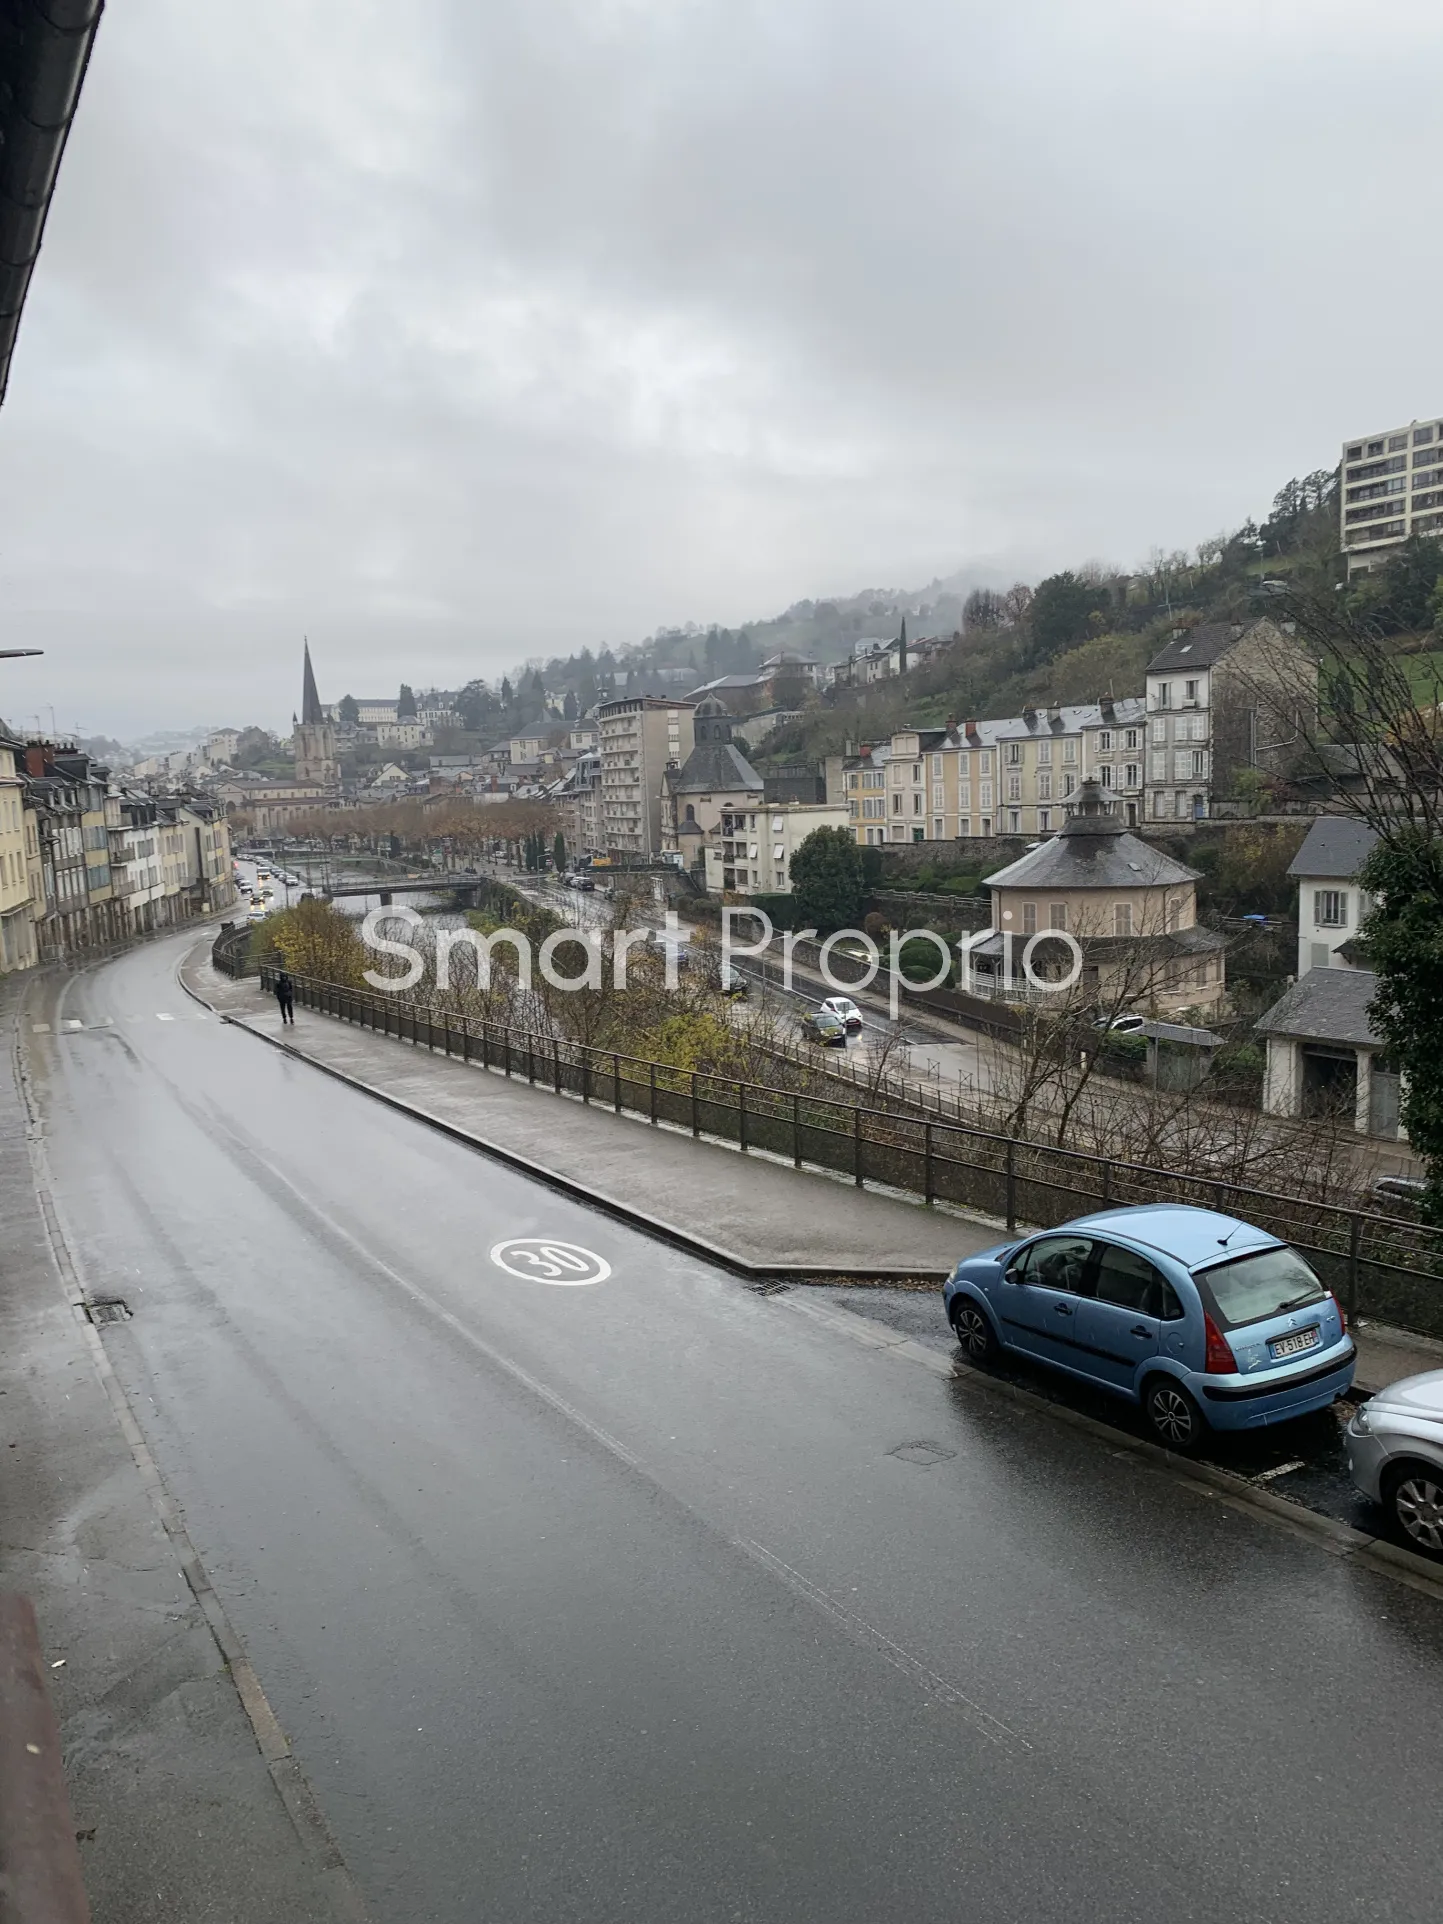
{"points": [[1266, 1283]]}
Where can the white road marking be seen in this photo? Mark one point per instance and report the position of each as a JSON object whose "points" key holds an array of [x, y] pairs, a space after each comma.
{"points": [[541, 1259], [161, 1016], [1279, 1469], [40, 1028], [72, 1022]]}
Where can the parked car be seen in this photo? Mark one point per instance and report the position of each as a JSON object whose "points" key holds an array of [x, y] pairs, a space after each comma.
{"points": [[1397, 1195], [820, 1025], [1121, 1024], [1395, 1454], [1205, 1321], [845, 1010]]}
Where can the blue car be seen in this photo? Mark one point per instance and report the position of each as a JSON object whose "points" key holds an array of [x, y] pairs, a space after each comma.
{"points": [[1205, 1321]]}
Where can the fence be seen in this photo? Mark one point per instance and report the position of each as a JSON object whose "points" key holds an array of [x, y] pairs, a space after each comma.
{"points": [[1380, 1266], [231, 951]]}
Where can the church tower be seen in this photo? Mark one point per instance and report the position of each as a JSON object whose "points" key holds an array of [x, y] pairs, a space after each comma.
{"points": [[314, 738]]}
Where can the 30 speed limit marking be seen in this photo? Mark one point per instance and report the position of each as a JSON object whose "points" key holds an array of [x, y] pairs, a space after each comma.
{"points": [[542, 1259]]}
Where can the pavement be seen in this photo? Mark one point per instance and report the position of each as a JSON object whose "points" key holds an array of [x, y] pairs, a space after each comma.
{"points": [[664, 1599]]}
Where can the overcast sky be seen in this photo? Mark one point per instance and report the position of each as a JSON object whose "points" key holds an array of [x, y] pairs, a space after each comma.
{"points": [[449, 332]]}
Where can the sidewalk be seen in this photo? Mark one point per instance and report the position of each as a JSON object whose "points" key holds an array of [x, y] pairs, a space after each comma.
{"points": [[766, 1215], [758, 1212], [178, 1814]]}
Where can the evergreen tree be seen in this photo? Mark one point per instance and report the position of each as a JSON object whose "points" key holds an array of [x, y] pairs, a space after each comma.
{"points": [[827, 880], [406, 706]]}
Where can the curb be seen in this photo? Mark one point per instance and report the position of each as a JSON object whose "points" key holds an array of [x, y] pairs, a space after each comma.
{"points": [[1338, 1539]]}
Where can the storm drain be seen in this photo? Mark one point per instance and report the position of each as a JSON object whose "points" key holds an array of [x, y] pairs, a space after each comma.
{"points": [[924, 1455], [112, 1309]]}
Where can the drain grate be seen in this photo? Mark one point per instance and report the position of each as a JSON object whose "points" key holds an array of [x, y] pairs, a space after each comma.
{"points": [[112, 1309]]}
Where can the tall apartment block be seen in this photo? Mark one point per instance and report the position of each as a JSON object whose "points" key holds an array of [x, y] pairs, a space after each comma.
{"points": [[641, 736], [1392, 487]]}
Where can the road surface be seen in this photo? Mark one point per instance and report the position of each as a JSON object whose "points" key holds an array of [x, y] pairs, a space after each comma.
{"points": [[655, 1600]]}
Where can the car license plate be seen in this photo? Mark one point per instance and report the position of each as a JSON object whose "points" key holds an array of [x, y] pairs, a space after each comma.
{"points": [[1295, 1345]]}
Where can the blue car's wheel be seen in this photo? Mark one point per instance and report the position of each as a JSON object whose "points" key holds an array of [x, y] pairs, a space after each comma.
{"points": [[974, 1331], [1172, 1415]]}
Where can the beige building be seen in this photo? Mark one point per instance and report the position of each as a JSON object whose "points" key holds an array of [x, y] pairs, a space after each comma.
{"points": [[715, 779], [1013, 777], [1130, 909], [1392, 487], [750, 851], [641, 737], [18, 948]]}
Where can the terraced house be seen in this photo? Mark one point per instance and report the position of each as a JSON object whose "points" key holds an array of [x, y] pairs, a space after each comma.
{"points": [[983, 778]]}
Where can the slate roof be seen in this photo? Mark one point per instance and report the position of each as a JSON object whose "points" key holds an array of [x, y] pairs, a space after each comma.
{"points": [[714, 768], [1336, 848], [1325, 1005], [1092, 850], [1199, 647]]}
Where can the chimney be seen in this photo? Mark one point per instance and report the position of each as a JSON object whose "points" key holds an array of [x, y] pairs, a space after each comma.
{"points": [[1029, 715], [35, 758], [1109, 712], [971, 731]]}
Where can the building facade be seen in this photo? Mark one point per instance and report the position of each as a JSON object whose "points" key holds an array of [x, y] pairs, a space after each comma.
{"points": [[750, 851], [1391, 488], [640, 736], [18, 944], [1223, 698]]}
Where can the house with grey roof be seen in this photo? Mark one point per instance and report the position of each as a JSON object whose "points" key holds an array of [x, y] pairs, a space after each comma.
{"points": [[1129, 912], [1324, 1054], [1331, 902], [1221, 698]]}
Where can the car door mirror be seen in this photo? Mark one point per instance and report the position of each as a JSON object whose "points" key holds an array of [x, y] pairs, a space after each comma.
{"points": [[1012, 1273]]}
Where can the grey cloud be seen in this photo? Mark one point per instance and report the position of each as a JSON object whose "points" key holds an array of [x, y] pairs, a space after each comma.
{"points": [[456, 332]]}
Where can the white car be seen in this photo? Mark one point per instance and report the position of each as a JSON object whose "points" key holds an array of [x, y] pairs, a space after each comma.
{"points": [[844, 1009], [1395, 1454]]}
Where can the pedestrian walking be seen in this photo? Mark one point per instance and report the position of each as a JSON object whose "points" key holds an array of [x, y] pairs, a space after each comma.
{"points": [[286, 997]]}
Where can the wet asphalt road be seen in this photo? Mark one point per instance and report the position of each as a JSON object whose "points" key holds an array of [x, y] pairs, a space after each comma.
{"points": [[657, 1601]]}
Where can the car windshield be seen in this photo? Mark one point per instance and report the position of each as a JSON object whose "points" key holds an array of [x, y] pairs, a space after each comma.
{"points": [[1268, 1283]]}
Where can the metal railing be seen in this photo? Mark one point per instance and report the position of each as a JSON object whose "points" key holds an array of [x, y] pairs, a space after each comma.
{"points": [[1380, 1266]]}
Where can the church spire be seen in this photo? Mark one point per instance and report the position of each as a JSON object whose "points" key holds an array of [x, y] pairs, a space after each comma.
{"points": [[310, 698]]}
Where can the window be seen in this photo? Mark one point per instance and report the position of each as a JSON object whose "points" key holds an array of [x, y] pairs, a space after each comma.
{"points": [[1164, 695], [917, 803], [937, 795], [1355, 454], [916, 774], [1044, 788], [1189, 691], [1014, 788], [896, 774], [984, 762], [1104, 775], [1014, 821], [1159, 734], [1122, 918], [1199, 761], [1029, 918], [1057, 915], [1069, 751], [1054, 1262], [984, 798], [896, 804], [1420, 435], [1044, 821], [964, 825], [1130, 1282], [1130, 738], [1014, 754], [1131, 775], [1104, 741], [986, 825], [1375, 447], [937, 829], [1396, 441], [1069, 783], [936, 765], [1044, 754], [1330, 908]]}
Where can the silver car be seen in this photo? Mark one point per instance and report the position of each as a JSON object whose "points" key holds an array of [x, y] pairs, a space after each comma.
{"points": [[1395, 1453]]}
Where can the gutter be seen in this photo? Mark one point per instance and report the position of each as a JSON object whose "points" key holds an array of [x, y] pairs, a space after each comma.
{"points": [[44, 50]]}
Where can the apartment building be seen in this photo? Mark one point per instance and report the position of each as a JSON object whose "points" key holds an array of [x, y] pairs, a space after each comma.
{"points": [[641, 736], [17, 924], [1220, 698], [1011, 777], [750, 851], [1392, 487]]}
